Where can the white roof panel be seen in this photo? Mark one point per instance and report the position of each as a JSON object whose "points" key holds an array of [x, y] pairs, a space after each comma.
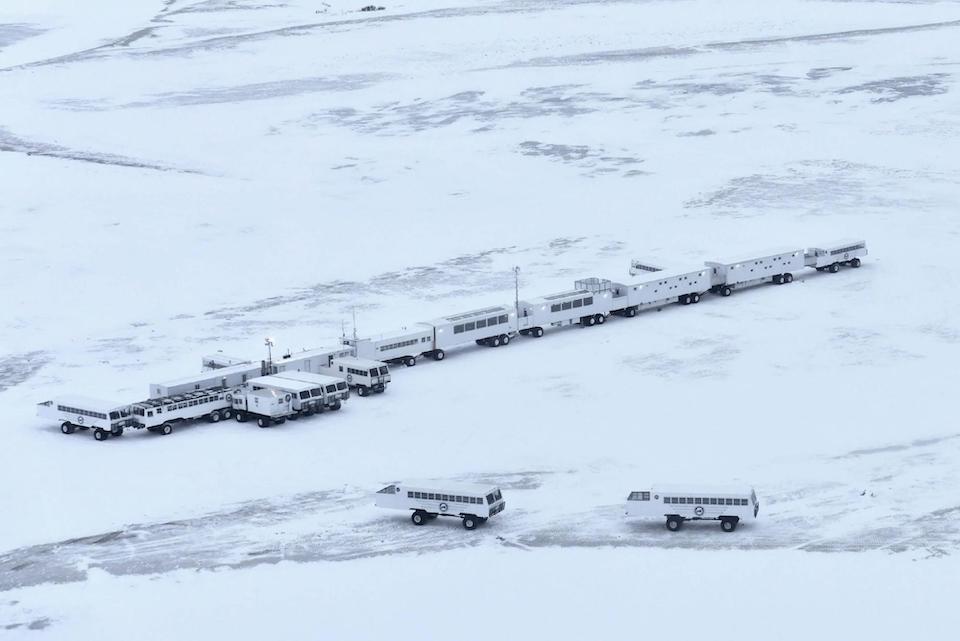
{"points": [[843, 242], [212, 373], [280, 382], [650, 277], [447, 487], [309, 377], [705, 489]]}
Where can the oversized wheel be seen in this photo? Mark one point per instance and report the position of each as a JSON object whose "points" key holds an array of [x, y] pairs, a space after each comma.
{"points": [[537, 332], [601, 319], [728, 525], [589, 321], [778, 279], [410, 361], [337, 405], [695, 298], [100, 435], [117, 431], [293, 417], [241, 417], [480, 341], [855, 262], [725, 290], [419, 517], [684, 300], [470, 522], [363, 390], [439, 354], [67, 427], [214, 417], [504, 339], [630, 313], [788, 277], [166, 429], [263, 422], [834, 268], [495, 341], [226, 414], [674, 523]]}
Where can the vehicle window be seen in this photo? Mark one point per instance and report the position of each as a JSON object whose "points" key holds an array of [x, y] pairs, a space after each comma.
{"points": [[304, 394], [331, 388], [588, 300], [502, 318], [489, 499], [481, 323], [469, 326], [114, 415], [384, 370], [713, 501], [373, 372], [341, 386], [567, 305], [555, 308], [578, 302], [666, 500], [729, 501], [409, 495], [683, 500], [458, 499], [498, 495]]}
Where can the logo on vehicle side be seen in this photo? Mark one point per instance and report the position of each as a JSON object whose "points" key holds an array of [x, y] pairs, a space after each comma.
{"points": [[80, 420], [698, 510], [443, 507]]}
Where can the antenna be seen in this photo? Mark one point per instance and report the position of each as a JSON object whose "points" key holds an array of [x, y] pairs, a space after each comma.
{"points": [[269, 343], [516, 291]]}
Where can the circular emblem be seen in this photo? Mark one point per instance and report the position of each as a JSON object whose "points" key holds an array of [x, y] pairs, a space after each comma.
{"points": [[229, 397], [80, 420], [443, 507], [350, 378], [656, 497], [698, 510], [287, 398]]}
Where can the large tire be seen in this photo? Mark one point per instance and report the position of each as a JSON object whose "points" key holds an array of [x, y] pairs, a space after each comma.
{"points": [[263, 422], [116, 431], [337, 405], [589, 321], [630, 312], [778, 279], [674, 523], [418, 517], [166, 429], [504, 339], [728, 525], [788, 277], [67, 427], [410, 361], [439, 354], [225, 414], [495, 341], [214, 417], [695, 298], [684, 300], [362, 390], [834, 268], [241, 417], [855, 262], [293, 417], [470, 522], [601, 319], [100, 435], [537, 332], [725, 291]]}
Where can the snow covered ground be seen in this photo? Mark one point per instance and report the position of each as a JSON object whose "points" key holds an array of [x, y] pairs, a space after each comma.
{"points": [[186, 176]]}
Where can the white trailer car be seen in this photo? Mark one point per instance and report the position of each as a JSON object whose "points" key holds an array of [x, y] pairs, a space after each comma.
{"points": [[317, 360], [267, 406], [232, 376], [775, 266], [330, 389], [677, 504], [105, 418], [580, 306], [162, 414], [829, 256], [473, 503], [302, 400], [402, 346], [491, 326], [663, 287], [364, 375]]}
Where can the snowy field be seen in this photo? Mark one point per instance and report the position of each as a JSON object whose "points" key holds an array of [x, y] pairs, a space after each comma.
{"points": [[182, 176]]}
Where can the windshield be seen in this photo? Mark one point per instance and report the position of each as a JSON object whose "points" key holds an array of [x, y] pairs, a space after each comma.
{"points": [[490, 499], [341, 386], [373, 372], [498, 495], [384, 370]]}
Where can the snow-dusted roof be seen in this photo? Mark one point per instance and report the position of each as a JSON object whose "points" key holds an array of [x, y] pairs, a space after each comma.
{"points": [[776, 251], [309, 377], [280, 382], [448, 487], [212, 374], [843, 242], [650, 277], [87, 403], [705, 489]]}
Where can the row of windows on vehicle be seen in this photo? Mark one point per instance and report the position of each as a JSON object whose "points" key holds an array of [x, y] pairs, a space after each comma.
{"points": [[480, 324], [572, 304], [844, 250], [387, 348], [450, 498], [686, 500], [80, 412]]}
